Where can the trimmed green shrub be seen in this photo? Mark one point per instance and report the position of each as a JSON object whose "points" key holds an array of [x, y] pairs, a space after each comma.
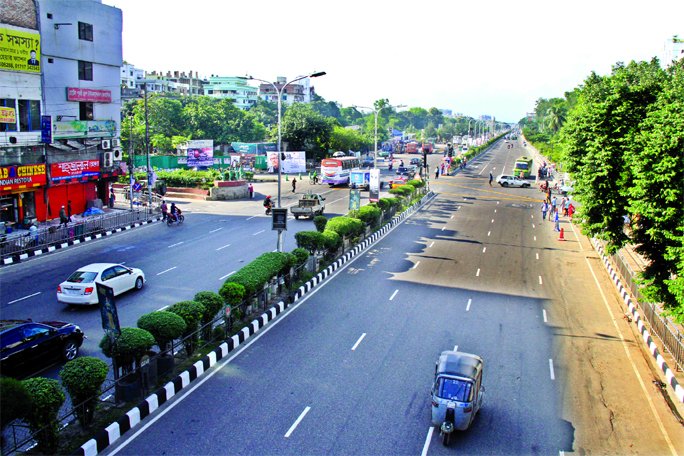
{"points": [[332, 241], [83, 378], [164, 327], [191, 312], [311, 241], [358, 227], [14, 401], [290, 261], [232, 293], [416, 183], [255, 275], [395, 202], [320, 221], [218, 333], [46, 397], [301, 255], [129, 346], [341, 225], [213, 303], [249, 175], [369, 215], [384, 204], [395, 191]]}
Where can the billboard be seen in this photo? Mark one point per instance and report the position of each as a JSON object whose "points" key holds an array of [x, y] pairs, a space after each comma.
{"points": [[92, 95], [13, 177], [200, 153], [83, 129], [272, 162], [8, 115], [74, 170], [374, 195], [19, 51], [294, 162]]}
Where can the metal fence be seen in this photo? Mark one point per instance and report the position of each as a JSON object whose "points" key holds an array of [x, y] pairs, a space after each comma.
{"points": [[20, 243], [662, 327]]}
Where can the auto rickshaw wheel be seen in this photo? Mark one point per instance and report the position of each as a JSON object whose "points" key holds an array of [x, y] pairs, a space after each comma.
{"points": [[445, 439]]}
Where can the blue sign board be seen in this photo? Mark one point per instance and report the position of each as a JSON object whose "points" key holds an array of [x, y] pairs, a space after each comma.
{"points": [[46, 129]]}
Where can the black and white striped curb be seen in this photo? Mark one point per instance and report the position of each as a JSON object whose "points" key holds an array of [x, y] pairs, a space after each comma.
{"points": [[653, 348], [115, 430], [80, 240]]}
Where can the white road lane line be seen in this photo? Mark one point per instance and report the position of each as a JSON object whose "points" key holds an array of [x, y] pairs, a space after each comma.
{"points": [[537, 256], [170, 269], [428, 438], [478, 273], [488, 233], [394, 294], [258, 232], [217, 229], [468, 306], [553, 375], [173, 245], [227, 275], [575, 232], [250, 218], [159, 310], [544, 312], [455, 348], [533, 216], [495, 211], [296, 423], [535, 238], [540, 281], [358, 341], [416, 265], [433, 243], [497, 202], [484, 250], [533, 226], [492, 220], [221, 248], [443, 228], [25, 297], [452, 216]]}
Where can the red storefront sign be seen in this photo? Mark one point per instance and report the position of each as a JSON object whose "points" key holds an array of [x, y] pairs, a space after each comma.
{"points": [[14, 177], [74, 170], [95, 96]]}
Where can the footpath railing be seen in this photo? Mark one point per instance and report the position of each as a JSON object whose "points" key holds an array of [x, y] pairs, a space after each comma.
{"points": [[20, 243], [663, 328]]}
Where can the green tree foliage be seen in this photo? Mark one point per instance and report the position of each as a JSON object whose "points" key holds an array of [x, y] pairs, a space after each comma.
{"points": [[301, 256], [191, 312], [305, 128], [369, 214], [14, 400], [266, 112], [623, 144], [128, 347], [311, 241], [83, 378], [232, 293], [345, 139], [46, 398], [350, 116], [213, 303], [320, 221], [164, 326], [332, 241]]}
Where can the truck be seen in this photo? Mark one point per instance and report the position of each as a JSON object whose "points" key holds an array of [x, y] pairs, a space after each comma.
{"points": [[310, 205], [360, 179]]}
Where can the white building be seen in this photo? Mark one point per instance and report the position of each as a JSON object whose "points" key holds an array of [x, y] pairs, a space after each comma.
{"points": [[130, 74], [672, 51], [300, 92]]}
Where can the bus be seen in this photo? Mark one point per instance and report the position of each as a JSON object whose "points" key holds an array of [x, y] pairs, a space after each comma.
{"points": [[523, 166], [337, 170]]}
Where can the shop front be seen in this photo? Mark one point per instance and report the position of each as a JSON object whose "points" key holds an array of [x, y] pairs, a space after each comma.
{"points": [[20, 187]]}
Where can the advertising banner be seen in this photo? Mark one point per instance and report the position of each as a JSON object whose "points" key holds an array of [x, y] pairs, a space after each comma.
{"points": [[272, 162], [46, 129], [83, 129], [92, 95], [74, 170], [8, 115], [374, 195], [235, 160], [12, 177], [19, 51], [260, 162], [200, 153], [110, 317], [354, 199], [295, 162]]}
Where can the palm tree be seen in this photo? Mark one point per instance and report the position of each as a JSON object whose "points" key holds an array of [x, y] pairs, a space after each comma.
{"points": [[555, 117]]}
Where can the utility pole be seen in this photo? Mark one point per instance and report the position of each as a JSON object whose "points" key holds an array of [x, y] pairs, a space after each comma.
{"points": [[147, 149]]}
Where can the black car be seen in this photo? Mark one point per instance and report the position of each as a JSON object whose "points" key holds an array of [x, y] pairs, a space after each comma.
{"points": [[27, 346]]}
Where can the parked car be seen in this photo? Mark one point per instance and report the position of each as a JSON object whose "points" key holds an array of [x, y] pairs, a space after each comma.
{"points": [[80, 288], [339, 153], [506, 180], [27, 346], [415, 161], [368, 161]]}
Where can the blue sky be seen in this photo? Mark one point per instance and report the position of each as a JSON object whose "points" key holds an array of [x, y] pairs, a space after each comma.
{"points": [[490, 57]]}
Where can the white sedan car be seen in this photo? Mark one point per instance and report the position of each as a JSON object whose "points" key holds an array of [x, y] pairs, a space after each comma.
{"points": [[506, 180], [80, 288]]}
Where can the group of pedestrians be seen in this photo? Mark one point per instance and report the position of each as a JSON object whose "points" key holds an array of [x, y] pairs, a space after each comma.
{"points": [[555, 208]]}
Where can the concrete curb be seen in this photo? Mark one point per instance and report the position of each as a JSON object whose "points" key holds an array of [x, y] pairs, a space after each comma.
{"points": [[75, 241], [669, 375], [115, 430]]}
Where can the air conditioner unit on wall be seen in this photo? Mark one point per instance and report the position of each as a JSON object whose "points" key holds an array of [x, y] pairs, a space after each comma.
{"points": [[117, 154], [108, 159], [106, 144], [116, 142]]}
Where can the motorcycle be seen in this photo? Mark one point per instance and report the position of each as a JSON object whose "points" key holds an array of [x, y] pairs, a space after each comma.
{"points": [[268, 209], [170, 219]]}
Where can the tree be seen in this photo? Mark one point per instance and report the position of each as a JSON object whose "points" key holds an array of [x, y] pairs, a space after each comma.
{"points": [[304, 128], [555, 117], [347, 139]]}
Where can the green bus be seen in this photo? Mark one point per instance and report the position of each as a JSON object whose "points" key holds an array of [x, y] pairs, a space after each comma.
{"points": [[523, 166]]}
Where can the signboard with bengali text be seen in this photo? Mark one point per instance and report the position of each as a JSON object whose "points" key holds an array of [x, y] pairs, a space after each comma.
{"points": [[74, 170], [19, 51], [8, 115], [91, 95]]}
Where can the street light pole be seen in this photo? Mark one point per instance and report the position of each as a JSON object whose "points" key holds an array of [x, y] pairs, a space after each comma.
{"points": [[147, 149], [377, 111], [279, 151]]}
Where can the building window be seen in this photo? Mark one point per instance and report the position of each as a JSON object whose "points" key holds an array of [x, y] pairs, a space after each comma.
{"points": [[8, 103], [85, 110], [29, 115], [49, 15], [51, 60], [85, 31], [85, 70]]}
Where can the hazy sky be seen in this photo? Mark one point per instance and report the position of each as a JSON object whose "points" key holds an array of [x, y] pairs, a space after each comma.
{"points": [[485, 57]]}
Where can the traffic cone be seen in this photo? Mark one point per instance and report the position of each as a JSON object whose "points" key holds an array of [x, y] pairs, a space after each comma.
{"points": [[561, 238]]}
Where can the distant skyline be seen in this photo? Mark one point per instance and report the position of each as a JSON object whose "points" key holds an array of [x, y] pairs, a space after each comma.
{"points": [[495, 58]]}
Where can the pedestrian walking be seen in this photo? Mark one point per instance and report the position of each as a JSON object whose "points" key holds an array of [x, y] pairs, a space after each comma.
{"points": [[294, 185], [491, 178], [544, 209], [567, 207], [164, 210], [436, 173], [555, 219], [554, 207], [69, 211], [250, 187], [63, 220]]}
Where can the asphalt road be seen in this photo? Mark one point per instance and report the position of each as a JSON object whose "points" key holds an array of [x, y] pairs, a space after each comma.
{"points": [[348, 370]]}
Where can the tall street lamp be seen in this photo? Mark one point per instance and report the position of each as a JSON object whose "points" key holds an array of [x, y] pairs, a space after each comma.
{"points": [[279, 93], [377, 111]]}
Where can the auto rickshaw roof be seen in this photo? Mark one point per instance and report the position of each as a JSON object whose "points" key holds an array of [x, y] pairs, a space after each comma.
{"points": [[459, 364]]}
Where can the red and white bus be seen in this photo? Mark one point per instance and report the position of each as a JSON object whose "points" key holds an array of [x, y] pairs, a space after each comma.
{"points": [[338, 170]]}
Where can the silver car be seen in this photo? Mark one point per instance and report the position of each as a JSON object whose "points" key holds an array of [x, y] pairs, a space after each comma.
{"points": [[80, 287], [506, 180]]}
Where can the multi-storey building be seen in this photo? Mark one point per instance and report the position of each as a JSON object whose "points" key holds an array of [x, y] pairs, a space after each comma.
{"points": [[61, 143], [194, 82], [243, 95], [673, 50], [129, 75], [159, 83], [301, 92]]}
